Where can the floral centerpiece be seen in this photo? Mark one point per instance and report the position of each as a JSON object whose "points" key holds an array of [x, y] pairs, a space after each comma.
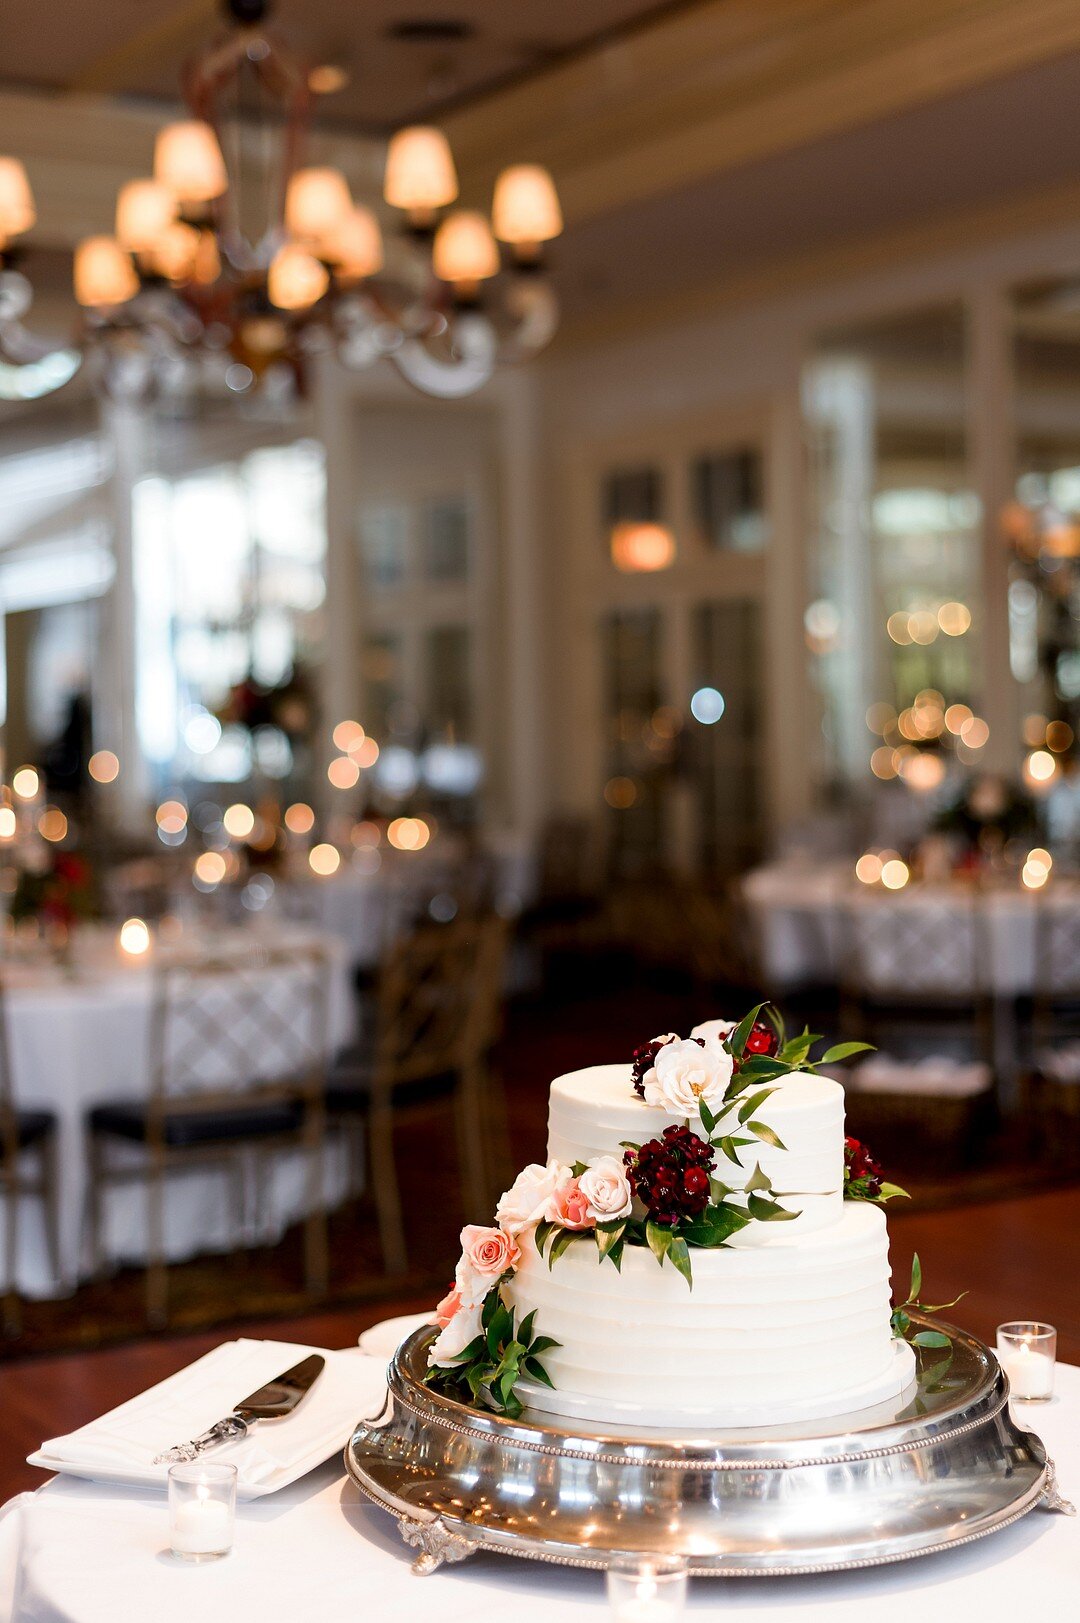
{"points": [[667, 1194]]}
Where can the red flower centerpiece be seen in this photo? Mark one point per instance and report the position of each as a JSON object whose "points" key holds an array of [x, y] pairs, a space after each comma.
{"points": [[670, 1175]]}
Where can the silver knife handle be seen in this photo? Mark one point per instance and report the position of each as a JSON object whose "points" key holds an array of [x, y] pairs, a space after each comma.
{"points": [[223, 1432]]}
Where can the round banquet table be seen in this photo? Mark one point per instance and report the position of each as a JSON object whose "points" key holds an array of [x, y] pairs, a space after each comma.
{"points": [[78, 1552], [80, 1036], [799, 914]]}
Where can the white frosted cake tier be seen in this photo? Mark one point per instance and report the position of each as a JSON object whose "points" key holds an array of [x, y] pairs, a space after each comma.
{"points": [[591, 1112], [798, 1327]]}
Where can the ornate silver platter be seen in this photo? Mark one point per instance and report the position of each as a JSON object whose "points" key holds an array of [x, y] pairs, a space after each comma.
{"points": [[945, 1465]]}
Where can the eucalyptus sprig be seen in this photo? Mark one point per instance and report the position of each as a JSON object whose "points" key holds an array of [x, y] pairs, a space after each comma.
{"points": [[486, 1372], [901, 1316]]}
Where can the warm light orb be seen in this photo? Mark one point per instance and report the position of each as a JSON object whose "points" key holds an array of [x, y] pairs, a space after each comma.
{"points": [[620, 793], [1040, 766], [974, 733], [144, 210], [343, 772], [348, 735], [8, 823], [239, 821], [420, 175], [26, 782], [638, 548], [355, 247], [894, 874], [17, 211], [365, 753], [135, 937], [956, 715], [324, 859], [922, 627], [897, 627], [175, 252], [923, 772], [1033, 875], [464, 250], [954, 619], [52, 825], [1040, 857], [171, 816], [525, 209], [210, 868], [868, 868], [365, 836], [296, 279], [103, 274], [317, 204], [299, 818], [408, 833], [188, 161], [883, 763], [103, 766], [1059, 737]]}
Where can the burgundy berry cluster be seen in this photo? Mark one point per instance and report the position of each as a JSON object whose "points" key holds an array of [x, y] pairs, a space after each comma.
{"points": [[859, 1164], [670, 1175], [762, 1040]]}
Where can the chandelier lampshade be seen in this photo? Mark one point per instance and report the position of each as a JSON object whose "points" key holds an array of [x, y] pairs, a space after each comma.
{"points": [[17, 212], [356, 246], [317, 204], [464, 249], [104, 274], [174, 253], [296, 279], [525, 209], [145, 209], [188, 160], [420, 174]]}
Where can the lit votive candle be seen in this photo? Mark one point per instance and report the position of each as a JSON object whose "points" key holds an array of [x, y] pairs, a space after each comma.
{"points": [[1026, 1352], [202, 1510], [647, 1589]]}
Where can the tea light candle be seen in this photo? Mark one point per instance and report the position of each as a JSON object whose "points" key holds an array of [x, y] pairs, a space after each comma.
{"points": [[202, 1510], [1027, 1352], [134, 939], [647, 1589]]}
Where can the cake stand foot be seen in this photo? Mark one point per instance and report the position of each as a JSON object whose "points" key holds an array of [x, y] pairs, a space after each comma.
{"points": [[1051, 1494], [435, 1542]]}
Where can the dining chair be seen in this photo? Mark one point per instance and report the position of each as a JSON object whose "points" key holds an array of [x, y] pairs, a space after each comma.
{"points": [[28, 1170], [237, 1062], [437, 1006]]}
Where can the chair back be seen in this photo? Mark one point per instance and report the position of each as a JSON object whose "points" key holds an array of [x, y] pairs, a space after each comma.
{"points": [[438, 1000], [914, 945], [241, 1029]]}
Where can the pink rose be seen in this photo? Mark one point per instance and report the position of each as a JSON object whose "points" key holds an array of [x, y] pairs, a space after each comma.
{"points": [[450, 1304], [569, 1206], [489, 1252]]}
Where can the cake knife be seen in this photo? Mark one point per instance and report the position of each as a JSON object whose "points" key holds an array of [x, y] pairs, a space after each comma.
{"points": [[273, 1401]]}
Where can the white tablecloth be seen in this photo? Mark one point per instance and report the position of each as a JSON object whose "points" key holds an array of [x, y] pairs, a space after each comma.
{"points": [[800, 919], [78, 1553], [78, 1042]]}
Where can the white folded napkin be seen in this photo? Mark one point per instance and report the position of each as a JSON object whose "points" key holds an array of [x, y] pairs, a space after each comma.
{"points": [[383, 1340], [936, 1075], [121, 1445]]}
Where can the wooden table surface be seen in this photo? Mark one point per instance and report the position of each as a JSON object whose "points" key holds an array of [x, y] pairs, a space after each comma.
{"points": [[1015, 1258]]}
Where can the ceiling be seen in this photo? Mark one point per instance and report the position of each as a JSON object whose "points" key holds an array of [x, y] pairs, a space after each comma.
{"points": [[405, 59]]}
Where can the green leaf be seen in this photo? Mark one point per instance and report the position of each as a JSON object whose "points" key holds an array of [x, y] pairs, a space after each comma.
{"points": [[767, 1211], [615, 1254], [492, 1304], [715, 1225], [761, 1130], [737, 1041], [659, 1238], [608, 1236], [563, 1239], [747, 1108], [473, 1350], [732, 1146], [525, 1329], [579, 1167], [708, 1120], [930, 1338], [916, 1278], [843, 1051], [758, 1180], [900, 1322], [544, 1231], [718, 1191], [680, 1259], [776, 1020], [543, 1344], [501, 1326], [941, 1307], [893, 1191], [533, 1367], [762, 1068]]}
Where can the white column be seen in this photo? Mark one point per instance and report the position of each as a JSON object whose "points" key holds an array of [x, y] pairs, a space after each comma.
{"points": [[528, 684], [790, 716], [339, 668], [126, 800]]}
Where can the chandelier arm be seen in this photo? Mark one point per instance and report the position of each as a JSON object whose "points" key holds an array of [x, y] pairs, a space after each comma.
{"points": [[534, 306], [474, 353]]}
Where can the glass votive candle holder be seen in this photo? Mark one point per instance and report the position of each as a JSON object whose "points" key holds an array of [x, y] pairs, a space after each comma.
{"points": [[647, 1588], [1026, 1351], [202, 1510]]}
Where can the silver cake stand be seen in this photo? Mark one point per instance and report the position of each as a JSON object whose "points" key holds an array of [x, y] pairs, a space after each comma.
{"points": [[942, 1466]]}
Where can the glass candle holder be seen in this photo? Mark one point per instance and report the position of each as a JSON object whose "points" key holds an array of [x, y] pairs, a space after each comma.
{"points": [[647, 1588], [1026, 1352], [202, 1510]]}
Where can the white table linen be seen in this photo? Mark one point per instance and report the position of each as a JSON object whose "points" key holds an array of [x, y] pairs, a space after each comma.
{"points": [[82, 1039], [79, 1553]]}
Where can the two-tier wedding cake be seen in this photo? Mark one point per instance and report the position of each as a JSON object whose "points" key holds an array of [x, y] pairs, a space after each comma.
{"points": [[703, 1246]]}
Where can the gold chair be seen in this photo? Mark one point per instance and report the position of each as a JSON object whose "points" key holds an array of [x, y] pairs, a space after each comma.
{"points": [[24, 1135], [238, 1060], [438, 999]]}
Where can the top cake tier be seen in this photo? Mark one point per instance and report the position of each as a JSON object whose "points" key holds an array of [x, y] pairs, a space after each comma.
{"points": [[593, 1111]]}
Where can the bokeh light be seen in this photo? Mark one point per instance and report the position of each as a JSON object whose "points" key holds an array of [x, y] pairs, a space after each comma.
{"points": [[26, 782], [210, 867], [103, 766], [135, 937], [868, 868], [348, 735], [894, 874], [343, 772], [620, 793], [53, 825], [299, 818], [324, 859], [408, 833], [239, 821], [707, 706]]}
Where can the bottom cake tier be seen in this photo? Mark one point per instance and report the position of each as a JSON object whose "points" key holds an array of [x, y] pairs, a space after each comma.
{"points": [[796, 1329]]}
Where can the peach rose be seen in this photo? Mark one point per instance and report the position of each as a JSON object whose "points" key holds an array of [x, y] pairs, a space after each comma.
{"points": [[569, 1206], [489, 1252], [450, 1304]]}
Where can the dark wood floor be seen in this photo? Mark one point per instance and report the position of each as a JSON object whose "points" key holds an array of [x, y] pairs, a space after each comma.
{"points": [[1016, 1259]]}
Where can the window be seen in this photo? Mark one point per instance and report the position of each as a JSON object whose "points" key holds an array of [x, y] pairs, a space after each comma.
{"points": [[634, 790], [728, 497], [446, 540]]}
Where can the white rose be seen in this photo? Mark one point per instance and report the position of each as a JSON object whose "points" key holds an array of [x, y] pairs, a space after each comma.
{"points": [[687, 1072], [714, 1030], [452, 1341], [525, 1202], [472, 1285], [607, 1189]]}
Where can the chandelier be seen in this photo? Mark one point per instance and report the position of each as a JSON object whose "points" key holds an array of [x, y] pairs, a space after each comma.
{"points": [[234, 272]]}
